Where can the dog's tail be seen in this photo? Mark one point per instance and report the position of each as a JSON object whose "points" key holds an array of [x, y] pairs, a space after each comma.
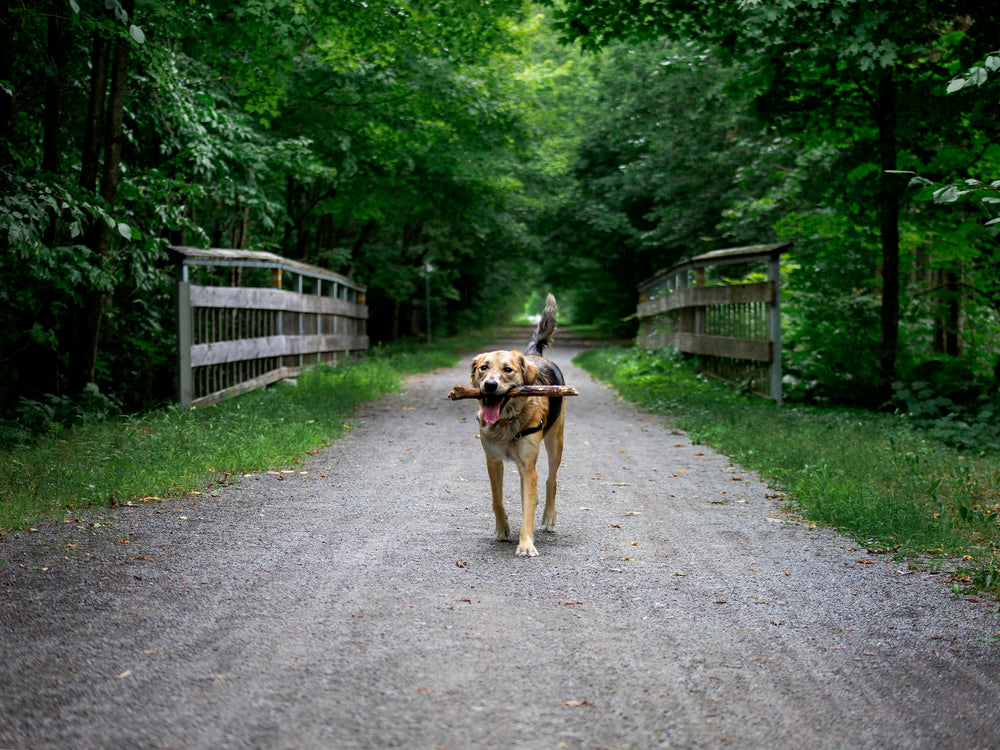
{"points": [[542, 337]]}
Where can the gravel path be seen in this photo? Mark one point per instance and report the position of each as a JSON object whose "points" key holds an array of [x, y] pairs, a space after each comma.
{"points": [[360, 601]]}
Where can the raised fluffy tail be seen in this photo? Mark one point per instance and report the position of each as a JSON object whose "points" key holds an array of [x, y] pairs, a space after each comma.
{"points": [[542, 337]]}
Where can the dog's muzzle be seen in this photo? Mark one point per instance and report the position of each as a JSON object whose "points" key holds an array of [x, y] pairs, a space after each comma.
{"points": [[492, 404]]}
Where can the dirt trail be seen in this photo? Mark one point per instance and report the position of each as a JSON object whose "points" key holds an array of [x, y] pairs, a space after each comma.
{"points": [[360, 601]]}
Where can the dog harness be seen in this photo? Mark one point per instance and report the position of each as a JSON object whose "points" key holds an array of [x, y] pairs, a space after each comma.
{"points": [[529, 431]]}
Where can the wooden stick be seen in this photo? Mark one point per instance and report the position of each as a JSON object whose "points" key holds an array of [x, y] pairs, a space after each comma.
{"points": [[461, 391]]}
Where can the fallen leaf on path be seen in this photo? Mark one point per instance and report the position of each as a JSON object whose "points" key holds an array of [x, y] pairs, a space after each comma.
{"points": [[123, 675], [722, 601], [575, 704]]}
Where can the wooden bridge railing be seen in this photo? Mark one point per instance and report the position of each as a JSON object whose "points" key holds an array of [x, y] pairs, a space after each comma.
{"points": [[256, 330], [736, 328]]}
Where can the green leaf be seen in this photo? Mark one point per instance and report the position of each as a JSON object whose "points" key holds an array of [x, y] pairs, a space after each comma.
{"points": [[957, 85], [993, 63], [947, 194], [977, 76], [137, 34], [124, 230]]}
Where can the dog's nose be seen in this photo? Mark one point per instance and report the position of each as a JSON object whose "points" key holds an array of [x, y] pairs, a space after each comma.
{"points": [[490, 386]]}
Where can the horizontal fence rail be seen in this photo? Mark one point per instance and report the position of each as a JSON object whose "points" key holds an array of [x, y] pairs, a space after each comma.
{"points": [[735, 328], [235, 338]]}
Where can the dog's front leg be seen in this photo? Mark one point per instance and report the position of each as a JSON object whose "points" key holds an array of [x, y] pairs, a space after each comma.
{"points": [[494, 468], [529, 499]]}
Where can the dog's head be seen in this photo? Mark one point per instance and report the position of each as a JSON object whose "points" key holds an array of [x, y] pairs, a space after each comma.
{"points": [[495, 374]]}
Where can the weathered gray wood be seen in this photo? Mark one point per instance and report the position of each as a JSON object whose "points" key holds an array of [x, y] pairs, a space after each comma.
{"points": [[251, 337], [729, 256], [775, 384], [274, 299], [185, 331], [248, 385], [693, 319], [695, 296], [221, 352], [230, 257], [721, 346]]}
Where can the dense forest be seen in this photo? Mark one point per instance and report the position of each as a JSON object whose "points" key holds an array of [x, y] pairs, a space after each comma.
{"points": [[503, 149]]}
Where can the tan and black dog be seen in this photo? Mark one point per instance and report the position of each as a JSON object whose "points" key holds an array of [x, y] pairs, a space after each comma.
{"points": [[512, 429]]}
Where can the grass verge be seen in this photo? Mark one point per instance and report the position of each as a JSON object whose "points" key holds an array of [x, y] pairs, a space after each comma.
{"points": [[873, 477], [175, 451]]}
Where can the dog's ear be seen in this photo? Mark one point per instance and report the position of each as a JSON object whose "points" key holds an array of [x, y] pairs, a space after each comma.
{"points": [[529, 372], [475, 366]]}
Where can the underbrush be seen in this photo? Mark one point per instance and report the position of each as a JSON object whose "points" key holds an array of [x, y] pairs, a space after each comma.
{"points": [[106, 460], [875, 477]]}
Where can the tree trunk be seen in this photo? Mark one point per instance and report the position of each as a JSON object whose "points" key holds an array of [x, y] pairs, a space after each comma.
{"points": [[88, 323], [890, 192], [50, 125], [91, 147], [6, 66]]}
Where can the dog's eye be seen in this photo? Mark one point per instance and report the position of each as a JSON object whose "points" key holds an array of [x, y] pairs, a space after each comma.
{"points": [[483, 368], [508, 369]]}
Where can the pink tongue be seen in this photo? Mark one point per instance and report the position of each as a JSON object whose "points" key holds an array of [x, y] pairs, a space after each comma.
{"points": [[491, 412]]}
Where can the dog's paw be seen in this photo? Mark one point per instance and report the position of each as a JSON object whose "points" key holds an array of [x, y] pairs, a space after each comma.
{"points": [[549, 523], [502, 533], [526, 549]]}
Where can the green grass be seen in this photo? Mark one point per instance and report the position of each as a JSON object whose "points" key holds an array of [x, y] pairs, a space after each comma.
{"points": [[872, 476], [174, 451]]}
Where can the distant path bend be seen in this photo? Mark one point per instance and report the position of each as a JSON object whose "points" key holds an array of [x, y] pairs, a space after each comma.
{"points": [[360, 601]]}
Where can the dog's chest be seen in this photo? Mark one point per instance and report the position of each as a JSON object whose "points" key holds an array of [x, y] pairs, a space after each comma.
{"points": [[501, 441]]}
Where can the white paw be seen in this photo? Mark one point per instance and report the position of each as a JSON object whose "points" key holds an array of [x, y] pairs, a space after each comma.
{"points": [[548, 524], [526, 549]]}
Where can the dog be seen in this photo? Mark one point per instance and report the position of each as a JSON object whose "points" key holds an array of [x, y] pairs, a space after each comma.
{"points": [[513, 428]]}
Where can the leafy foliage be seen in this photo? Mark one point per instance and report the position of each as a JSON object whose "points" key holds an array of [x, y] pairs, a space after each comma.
{"points": [[377, 139]]}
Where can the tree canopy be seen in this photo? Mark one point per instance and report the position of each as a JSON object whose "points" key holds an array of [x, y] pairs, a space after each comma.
{"points": [[503, 148]]}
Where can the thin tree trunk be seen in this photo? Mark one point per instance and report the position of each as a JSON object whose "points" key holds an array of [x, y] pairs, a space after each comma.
{"points": [[50, 123], [6, 65], [95, 299], [91, 148], [890, 193]]}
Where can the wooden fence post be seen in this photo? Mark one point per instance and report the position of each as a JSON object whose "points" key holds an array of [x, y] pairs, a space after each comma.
{"points": [[185, 336], [774, 329]]}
